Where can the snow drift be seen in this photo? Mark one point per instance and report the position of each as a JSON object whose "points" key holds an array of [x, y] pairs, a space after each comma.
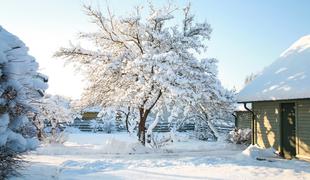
{"points": [[257, 152], [94, 144]]}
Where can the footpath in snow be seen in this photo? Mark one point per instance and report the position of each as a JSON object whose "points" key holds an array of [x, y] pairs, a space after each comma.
{"points": [[118, 156]]}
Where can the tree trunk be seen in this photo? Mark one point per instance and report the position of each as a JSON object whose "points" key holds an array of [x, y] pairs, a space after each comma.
{"points": [[127, 120], [143, 116], [209, 123], [39, 131], [127, 126], [142, 128]]}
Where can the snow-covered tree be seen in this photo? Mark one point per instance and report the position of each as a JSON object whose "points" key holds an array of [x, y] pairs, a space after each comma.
{"points": [[146, 63], [21, 86], [218, 111], [209, 114], [53, 110]]}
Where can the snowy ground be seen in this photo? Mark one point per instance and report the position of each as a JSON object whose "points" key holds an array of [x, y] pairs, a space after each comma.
{"points": [[103, 156]]}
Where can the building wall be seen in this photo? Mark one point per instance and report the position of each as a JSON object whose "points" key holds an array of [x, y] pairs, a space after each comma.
{"points": [[303, 128], [244, 119], [267, 125]]}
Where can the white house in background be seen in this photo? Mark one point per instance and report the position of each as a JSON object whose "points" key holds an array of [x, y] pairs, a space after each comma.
{"points": [[280, 98]]}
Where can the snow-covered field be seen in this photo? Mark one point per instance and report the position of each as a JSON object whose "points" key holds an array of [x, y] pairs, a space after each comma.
{"points": [[118, 156]]}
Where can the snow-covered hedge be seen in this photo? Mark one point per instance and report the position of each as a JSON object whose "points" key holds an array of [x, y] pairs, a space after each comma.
{"points": [[20, 86]]}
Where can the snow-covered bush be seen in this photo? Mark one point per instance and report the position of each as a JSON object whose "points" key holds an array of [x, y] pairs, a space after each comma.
{"points": [[21, 86], [56, 138], [107, 120], [55, 111], [203, 131], [96, 125], [240, 136], [159, 140], [109, 126]]}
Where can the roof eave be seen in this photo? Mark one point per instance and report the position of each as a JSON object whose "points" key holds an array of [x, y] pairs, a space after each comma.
{"points": [[272, 100]]}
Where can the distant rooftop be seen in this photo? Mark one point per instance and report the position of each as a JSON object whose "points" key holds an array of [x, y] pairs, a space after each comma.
{"points": [[92, 109]]}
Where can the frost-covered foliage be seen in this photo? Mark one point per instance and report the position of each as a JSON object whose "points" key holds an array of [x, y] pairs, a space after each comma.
{"points": [[146, 64], [10, 162], [54, 111], [103, 125], [108, 120], [216, 113], [240, 136], [209, 115], [127, 119], [159, 140], [21, 86]]}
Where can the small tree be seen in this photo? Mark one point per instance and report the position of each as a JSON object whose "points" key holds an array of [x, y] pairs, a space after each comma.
{"points": [[53, 111], [145, 63]]}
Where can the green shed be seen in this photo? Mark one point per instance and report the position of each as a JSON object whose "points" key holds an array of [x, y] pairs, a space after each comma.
{"points": [[280, 99]]}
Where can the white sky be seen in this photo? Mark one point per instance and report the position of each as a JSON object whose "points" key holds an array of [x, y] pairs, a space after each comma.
{"points": [[246, 37], [63, 79]]}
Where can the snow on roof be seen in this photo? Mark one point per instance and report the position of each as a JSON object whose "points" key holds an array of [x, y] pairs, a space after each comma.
{"points": [[92, 109], [286, 78], [240, 107]]}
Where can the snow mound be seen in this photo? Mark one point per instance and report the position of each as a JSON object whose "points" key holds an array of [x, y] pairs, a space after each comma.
{"points": [[94, 144], [286, 78], [114, 146], [84, 167], [256, 152], [72, 130]]}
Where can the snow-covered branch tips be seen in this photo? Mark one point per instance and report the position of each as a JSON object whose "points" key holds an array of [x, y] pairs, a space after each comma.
{"points": [[146, 63]]}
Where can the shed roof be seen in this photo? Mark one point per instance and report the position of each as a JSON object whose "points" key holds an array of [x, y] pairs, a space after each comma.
{"points": [[286, 78], [92, 109]]}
